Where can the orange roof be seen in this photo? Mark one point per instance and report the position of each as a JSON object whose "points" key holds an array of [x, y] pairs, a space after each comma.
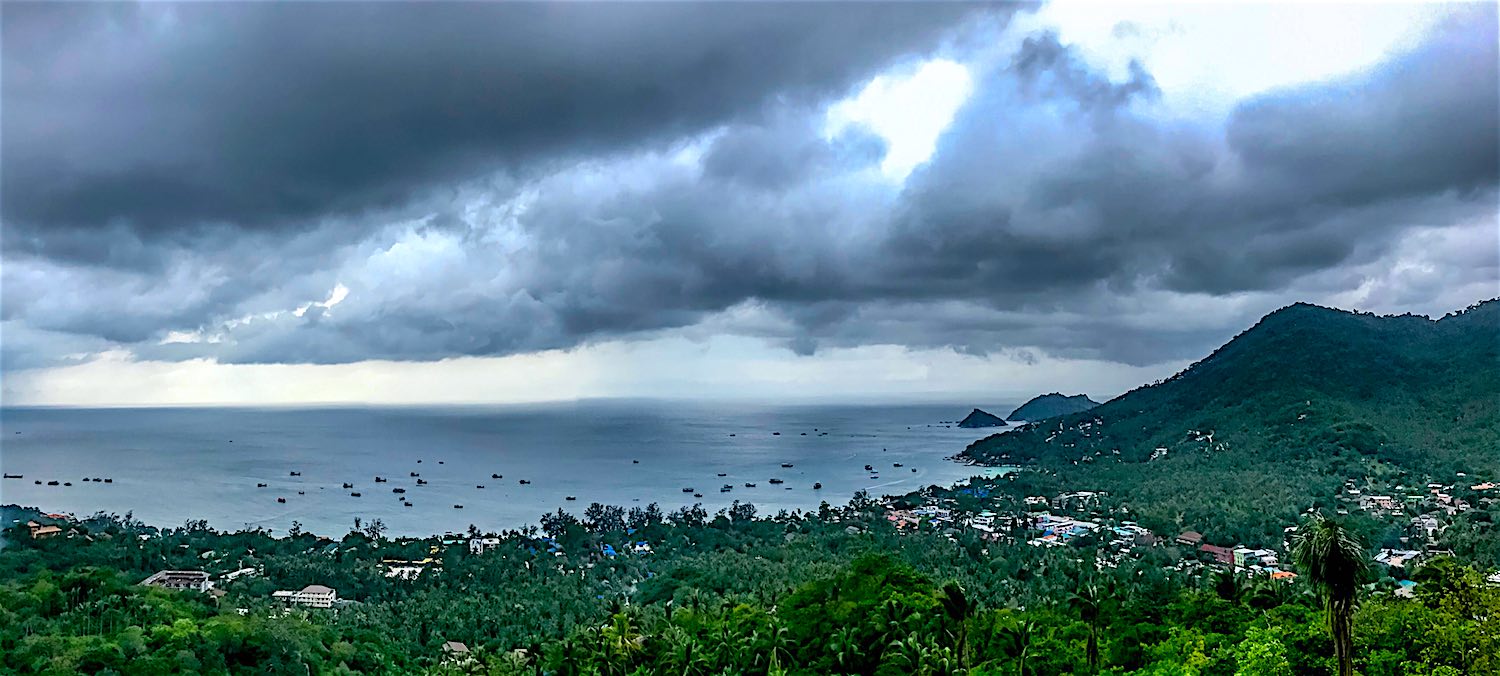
{"points": [[1283, 575]]}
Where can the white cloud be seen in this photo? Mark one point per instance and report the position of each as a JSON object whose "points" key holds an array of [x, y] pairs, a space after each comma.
{"points": [[909, 109]]}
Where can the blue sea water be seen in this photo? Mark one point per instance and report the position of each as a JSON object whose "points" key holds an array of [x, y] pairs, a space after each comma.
{"points": [[169, 465]]}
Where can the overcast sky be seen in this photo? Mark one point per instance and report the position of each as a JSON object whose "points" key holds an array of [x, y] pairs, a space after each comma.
{"points": [[389, 202]]}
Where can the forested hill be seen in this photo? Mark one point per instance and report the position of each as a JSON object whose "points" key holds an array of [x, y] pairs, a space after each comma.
{"points": [[1286, 411], [1050, 406]]}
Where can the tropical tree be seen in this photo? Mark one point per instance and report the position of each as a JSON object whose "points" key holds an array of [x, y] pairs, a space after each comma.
{"points": [[1334, 560], [1017, 639]]}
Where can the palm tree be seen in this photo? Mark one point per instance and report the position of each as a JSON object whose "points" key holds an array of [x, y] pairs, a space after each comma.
{"points": [[1335, 563], [958, 609], [1018, 639], [1088, 600]]}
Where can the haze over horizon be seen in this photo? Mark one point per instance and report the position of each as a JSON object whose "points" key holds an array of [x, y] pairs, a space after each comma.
{"points": [[252, 203]]}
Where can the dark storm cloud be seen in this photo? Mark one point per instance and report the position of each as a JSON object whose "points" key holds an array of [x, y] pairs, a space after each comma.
{"points": [[1059, 212], [161, 116]]}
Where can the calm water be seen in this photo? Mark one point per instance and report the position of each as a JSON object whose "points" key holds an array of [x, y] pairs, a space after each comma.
{"points": [[170, 465]]}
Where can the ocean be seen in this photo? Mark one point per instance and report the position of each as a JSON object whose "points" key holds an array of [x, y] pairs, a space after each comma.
{"points": [[169, 465]]}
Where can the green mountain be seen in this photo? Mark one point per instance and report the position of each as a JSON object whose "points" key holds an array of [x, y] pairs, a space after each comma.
{"points": [[978, 418], [1273, 423], [1050, 406]]}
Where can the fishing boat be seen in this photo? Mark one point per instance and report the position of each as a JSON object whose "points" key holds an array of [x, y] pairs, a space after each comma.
{"points": [[294, 474], [496, 476], [726, 488], [455, 506], [281, 500], [895, 464], [348, 485], [786, 464], [571, 497], [480, 486], [256, 485], [697, 495], [354, 495], [14, 476], [817, 486], [525, 482], [723, 474], [777, 481], [869, 467], [687, 490], [398, 490], [749, 485], [379, 480]]}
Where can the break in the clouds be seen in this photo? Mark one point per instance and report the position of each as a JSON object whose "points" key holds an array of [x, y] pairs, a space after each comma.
{"points": [[332, 183]]}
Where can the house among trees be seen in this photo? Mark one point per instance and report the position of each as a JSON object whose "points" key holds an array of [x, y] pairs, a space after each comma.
{"points": [[42, 531], [195, 580], [1190, 538], [312, 596]]}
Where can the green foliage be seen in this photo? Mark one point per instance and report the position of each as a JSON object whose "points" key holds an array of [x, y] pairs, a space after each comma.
{"points": [[1271, 424]]}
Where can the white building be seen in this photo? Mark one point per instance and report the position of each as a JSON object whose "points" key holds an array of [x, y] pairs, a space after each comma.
{"points": [[195, 580], [312, 596], [478, 545]]}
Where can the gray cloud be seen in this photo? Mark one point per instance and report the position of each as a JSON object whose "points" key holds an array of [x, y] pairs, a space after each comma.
{"points": [[161, 116], [1060, 213]]}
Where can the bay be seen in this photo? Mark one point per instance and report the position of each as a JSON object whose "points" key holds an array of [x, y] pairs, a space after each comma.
{"points": [[169, 465]]}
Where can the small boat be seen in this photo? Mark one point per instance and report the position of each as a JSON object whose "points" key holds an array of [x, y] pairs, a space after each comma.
{"points": [[749, 485], [294, 474], [817, 486], [726, 488], [260, 485], [354, 495], [14, 476], [281, 500], [786, 464], [415, 474], [687, 490], [913, 469], [441, 462], [301, 492], [731, 434], [895, 464], [571, 497], [109, 481], [635, 462], [804, 434], [869, 467], [406, 504], [85, 480], [775, 434], [697, 495], [419, 462], [98, 480], [777, 481], [421, 482], [398, 490], [524, 482], [455, 506], [479, 486], [723, 474], [379, 480], [38, 482], [67, 483], [496, 476], [348, 485]]}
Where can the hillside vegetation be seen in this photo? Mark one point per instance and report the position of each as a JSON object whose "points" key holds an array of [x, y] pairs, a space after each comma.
{"points": [[1275, 421]]}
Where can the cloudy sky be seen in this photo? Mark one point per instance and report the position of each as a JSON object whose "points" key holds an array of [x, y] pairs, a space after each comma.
{"points": [[385, 202]]}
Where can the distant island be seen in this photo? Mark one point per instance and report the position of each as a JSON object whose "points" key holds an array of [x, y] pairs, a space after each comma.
{"points": [[1050, 406], [978, 418]]}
